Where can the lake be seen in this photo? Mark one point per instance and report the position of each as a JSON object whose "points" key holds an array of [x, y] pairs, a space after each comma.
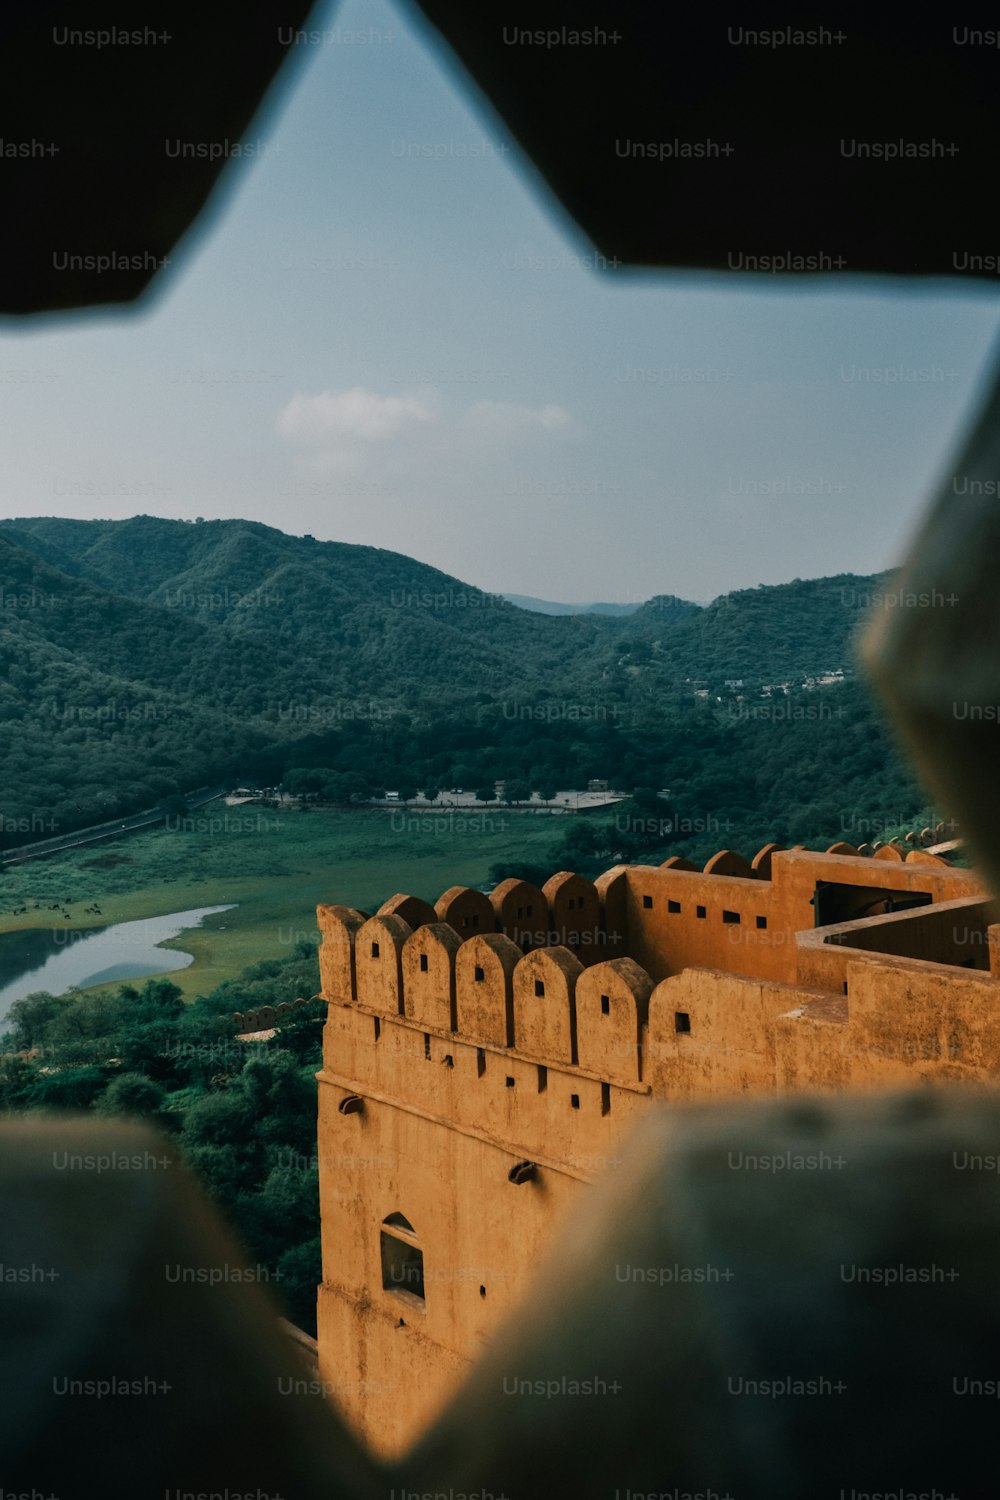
{"points": [[56, 959]]}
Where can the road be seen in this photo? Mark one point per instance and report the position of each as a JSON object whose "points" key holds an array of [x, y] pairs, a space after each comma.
{"points": [[100, 832]]}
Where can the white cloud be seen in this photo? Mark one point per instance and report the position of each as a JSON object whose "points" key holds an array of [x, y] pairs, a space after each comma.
{"points": [[386, 439], [505, 417], [332, 418]]}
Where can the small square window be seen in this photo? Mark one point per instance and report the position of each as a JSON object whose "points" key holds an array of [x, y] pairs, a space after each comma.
{"points": [[479, 974], [539, 987], [574, 1101], [605, 1005], [448, 1060], [647, 902], [700, 911], [509, 1082], [682, 1020], [673, 906], [374, 950], [423, 963], [761, 921], [732, 917]]}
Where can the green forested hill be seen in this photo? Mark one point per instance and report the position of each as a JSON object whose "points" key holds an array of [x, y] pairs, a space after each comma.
{"points": [[141, 656]]}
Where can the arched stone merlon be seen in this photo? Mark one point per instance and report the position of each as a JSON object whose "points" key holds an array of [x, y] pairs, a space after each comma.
{"points": [[575, 916], [521, 912], [841, 847], [612, 1007], [678, 862], [889, 852], [612, 893], [378, 950], [466, 910], [429, 975], [545, 1004], [927, 835], [484, 989], [728, 862], [265, 1018], [339, 926], [761, 862], [924, 857], [412, 909]]}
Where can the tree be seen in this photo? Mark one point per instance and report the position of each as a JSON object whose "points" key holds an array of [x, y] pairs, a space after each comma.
{"points": [[131, 1094], [646, 799], [432, 793], [486, 794], [516, 791]]}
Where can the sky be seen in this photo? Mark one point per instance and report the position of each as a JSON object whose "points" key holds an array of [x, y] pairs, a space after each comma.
{"points": [[389, 334]]}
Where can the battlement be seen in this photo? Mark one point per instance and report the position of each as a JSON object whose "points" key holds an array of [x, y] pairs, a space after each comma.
{"points": [[544, 1003], [563, 975]]}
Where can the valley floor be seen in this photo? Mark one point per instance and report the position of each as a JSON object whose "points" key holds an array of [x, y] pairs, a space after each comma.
{"points": [[276, 865]]}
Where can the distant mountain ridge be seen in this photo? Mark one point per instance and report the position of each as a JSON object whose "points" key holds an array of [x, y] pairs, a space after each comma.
{"points": [[553, 607], [139, 655]]}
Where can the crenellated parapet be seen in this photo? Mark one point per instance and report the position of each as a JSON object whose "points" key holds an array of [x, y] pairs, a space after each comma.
{"points": [[564, 974], [485, 991]]}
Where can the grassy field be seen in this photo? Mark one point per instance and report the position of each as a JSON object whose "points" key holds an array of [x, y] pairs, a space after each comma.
{"points": [[277, 865]]}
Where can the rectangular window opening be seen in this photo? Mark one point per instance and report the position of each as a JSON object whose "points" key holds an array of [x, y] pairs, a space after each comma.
{"points": [[647, 902], [374, 950], [402, 1266], [761, 922], [574, 1101], [543, 1078], [700, 911], [673, 907], [605, 1098], [732, 917], [480, 1061], [427, 1045], [509, 1082], [423, 963], [378, 1028], [539, 987], [605, 1005], [682, 1021], [479, 973]]}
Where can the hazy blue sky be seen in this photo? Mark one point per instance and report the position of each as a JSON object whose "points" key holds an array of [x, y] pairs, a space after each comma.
{"points": [[392, 337]]}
